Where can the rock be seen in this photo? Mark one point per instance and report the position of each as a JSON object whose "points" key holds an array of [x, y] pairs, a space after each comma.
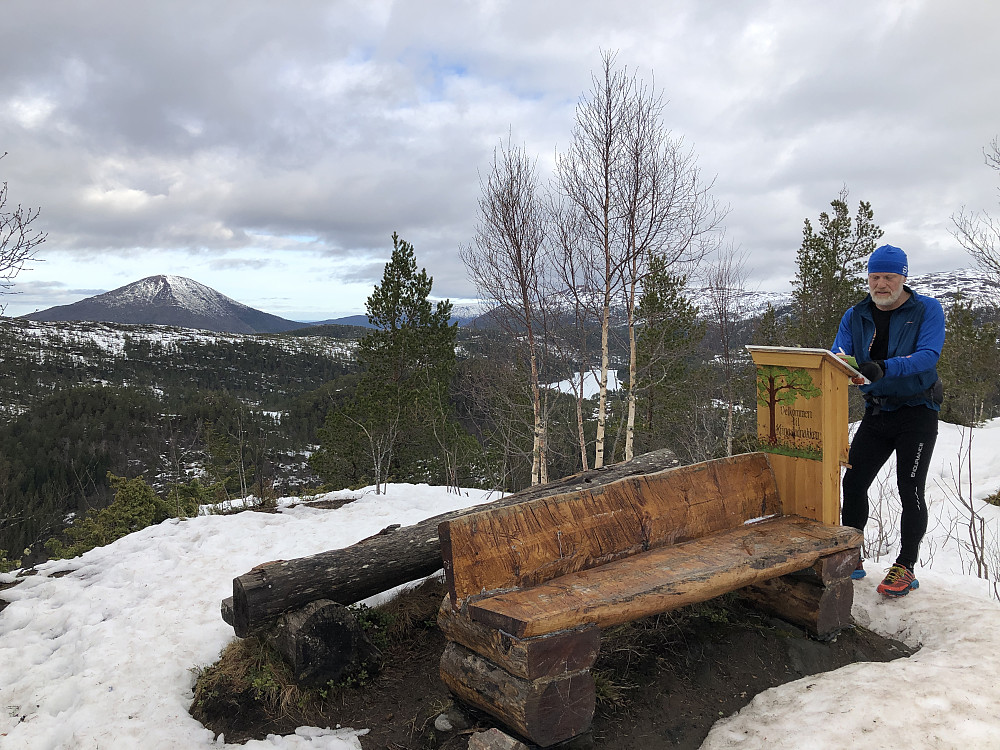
{"points": [[494, 739], [452, 720], [442, 724]]}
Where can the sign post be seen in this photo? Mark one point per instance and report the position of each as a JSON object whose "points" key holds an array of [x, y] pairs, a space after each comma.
{"points": [[802, 423]]}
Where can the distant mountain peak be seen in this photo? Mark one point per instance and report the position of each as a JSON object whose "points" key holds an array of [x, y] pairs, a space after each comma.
{"points": [[166, 289], [169, 300]]}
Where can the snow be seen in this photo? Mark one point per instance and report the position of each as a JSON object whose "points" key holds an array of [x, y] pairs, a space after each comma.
{"points": [[55, 339], [591, 384], [100, 651], [179, 290]]}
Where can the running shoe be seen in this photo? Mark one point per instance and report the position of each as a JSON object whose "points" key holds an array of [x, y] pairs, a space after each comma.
{"points": [[898, 581], [859, 572]]}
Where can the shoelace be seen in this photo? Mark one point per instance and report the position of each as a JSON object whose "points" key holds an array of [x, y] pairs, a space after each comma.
{"points": [[896, 573]]}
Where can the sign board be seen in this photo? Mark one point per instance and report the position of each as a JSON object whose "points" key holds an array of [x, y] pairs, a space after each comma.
{"points": [[802, 422]]}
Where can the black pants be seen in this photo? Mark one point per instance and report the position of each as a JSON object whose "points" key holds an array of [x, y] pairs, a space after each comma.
{"points": [[911, 432]]}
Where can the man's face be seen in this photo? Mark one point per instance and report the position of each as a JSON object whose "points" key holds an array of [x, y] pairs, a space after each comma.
{"points": [[886, 289]]}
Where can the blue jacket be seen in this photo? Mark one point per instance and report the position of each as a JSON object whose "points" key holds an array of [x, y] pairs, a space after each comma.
{"points": [[916, 335]]}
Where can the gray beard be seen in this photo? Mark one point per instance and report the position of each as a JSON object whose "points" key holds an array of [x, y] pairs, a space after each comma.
{"points": [[888, 300]]}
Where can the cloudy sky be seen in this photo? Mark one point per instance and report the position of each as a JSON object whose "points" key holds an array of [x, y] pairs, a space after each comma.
{"points": [[269, 150]]}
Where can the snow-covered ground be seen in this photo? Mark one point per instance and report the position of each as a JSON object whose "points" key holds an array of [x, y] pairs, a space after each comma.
{"points": [[100, 651], [112, 339], [591, 384]]}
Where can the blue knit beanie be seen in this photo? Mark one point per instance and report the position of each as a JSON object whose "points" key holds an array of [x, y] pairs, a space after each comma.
{"points": [[888, 259]]}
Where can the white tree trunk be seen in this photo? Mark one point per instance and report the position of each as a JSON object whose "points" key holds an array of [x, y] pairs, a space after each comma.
{"points": [[602, 407], [579, 417], [630, 422]]}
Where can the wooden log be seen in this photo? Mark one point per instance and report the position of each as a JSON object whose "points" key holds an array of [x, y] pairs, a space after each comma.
{"points": [[388, 559], [822, 610], [831, 568], [547, 656], [542, 711], [665, 578], [323, 642], [520, 546]]}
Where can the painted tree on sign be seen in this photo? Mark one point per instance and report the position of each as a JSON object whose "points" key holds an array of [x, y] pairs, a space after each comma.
{"points": [[782, 385]]}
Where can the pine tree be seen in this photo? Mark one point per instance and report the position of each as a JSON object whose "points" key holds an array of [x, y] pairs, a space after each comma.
{"points": [[398, 423], [968, 367], [769, 329], [831, 271], [669, 380]]}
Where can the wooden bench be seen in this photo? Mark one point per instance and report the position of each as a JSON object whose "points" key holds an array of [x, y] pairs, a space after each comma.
{"points": [[531, 585]]}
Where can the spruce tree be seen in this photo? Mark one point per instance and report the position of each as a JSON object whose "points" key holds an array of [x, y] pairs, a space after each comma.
{"points": [[968, 367], [399, 424], [670, 381], [831, 273]]}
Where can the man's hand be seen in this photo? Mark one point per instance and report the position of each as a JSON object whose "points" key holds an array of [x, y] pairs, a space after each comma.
{"points": [[848, 359], [873, 370]]}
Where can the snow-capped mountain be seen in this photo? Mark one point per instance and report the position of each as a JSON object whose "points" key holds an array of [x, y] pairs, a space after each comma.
{"points": [[945, 286], [169, 301]]}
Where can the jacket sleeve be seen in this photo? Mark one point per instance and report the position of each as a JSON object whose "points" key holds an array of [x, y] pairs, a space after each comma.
{"points": [[929, 344], [844, 340]]}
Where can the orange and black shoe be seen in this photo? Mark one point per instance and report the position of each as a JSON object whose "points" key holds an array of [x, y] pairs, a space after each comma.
{"points": [[898, 581]]}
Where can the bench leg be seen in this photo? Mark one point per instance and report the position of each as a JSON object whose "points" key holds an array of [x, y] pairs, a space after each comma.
{"points": [[818, 598], [541, 688], [531, 658], [545, 711]]}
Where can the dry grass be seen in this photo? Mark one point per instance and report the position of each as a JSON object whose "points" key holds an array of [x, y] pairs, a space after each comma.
{"points": [[250, 670]]}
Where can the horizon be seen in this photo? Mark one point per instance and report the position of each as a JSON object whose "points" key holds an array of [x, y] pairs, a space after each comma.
{"points": [[6, 300]]}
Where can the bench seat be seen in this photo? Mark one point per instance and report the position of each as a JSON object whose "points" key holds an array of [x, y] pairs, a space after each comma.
{"points": [[665, 578]]}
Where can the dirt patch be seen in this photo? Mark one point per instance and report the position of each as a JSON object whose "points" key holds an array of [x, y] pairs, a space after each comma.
{"points": [[661, 682], [333, 504], [679, 673], [3, 587]]}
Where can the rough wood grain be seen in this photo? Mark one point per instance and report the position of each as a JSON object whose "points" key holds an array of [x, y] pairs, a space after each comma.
{"points": [[547, 656], [831, 568], [388, 559], [543, 711], [517, 546], [822, 610], [665, 578]]}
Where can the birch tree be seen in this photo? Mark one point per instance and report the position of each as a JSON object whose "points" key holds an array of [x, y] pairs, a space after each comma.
{"points": [[586, 176], [506, 262], [979, 233], [573, 265], [667, 211], [638, 192], [19, 239], [726, 287]]}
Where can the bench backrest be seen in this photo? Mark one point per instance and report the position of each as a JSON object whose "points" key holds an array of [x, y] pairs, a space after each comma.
{"points": [[525, 544]]}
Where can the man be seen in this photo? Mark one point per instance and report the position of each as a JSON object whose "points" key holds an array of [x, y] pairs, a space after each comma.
{"points": [[896, 336]]}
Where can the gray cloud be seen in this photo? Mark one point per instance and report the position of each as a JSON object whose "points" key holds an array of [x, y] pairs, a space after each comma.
{"points": [[244, 134]]}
